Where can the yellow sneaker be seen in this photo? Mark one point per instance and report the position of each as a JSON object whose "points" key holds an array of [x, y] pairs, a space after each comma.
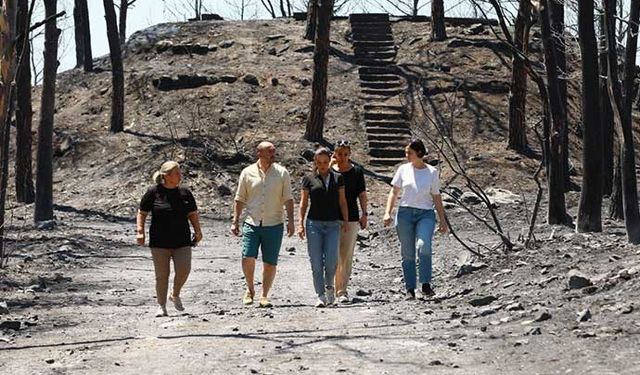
{"points": [[247, 299], [264, 302]]}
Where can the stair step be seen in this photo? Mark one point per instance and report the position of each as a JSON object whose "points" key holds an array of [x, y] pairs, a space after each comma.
{"points": [[383, 107], [385, 116], [386, 161], [388, 137], [382, 92], [373, 38], [369, 17], [373, 62], [363, 31], [391, 144], [387, 124], [375, 54], [386, 130], [377, 70], [390, 152], [381, 85], [370, 23], [379, 77], [374, 44]]}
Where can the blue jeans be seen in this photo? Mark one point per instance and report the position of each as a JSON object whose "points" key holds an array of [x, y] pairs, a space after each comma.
{"points": [[323, 238], [415, 230]]}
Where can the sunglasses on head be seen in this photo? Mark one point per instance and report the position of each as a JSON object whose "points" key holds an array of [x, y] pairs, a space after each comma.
{"points": [[342, 143]]}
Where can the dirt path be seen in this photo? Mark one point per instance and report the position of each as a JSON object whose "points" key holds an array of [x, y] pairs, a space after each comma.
{"points": [[100, 320]]}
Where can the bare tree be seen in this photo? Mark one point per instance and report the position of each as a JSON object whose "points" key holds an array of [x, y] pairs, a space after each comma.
{"points": [[405, 7], [315, 124], [240, 7], [84, 56], [622, 124], [312, 18], [590, 209], [24, 113], [557, 213], [117, 71], [269, 7], [606, 118], [44, 166], [518, 90], [438, 27], [122, 21]]}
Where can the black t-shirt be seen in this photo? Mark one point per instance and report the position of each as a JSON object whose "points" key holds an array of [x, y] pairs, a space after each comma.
{"points": [[169, 209], [325, 202], [354, 185]]}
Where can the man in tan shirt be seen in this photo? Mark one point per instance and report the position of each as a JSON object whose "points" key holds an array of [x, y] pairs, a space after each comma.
{"points": [[263, 189]]}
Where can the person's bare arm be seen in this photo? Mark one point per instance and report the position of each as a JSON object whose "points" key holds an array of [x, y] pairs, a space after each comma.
{"points": [[391, 201], [237, 211], [442, 221], [364, 200], [291, 225], [344, 208], [194, 218], [141, 217], [304, 204]]}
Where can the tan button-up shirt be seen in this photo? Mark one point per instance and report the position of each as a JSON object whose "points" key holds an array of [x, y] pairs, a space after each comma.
{"points": [[264, 194]]}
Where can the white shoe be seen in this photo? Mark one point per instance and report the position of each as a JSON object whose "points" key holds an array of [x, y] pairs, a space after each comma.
{"points": [[162, 311], [321, 302], [331, 295], [177, 302], [343, 299]]}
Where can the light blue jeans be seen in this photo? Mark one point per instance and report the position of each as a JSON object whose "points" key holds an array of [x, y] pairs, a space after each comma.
{"points": [[323, 238], [415, 228]]}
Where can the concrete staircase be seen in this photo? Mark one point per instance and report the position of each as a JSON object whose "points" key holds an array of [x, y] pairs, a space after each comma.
{"points": [[385, 119]]}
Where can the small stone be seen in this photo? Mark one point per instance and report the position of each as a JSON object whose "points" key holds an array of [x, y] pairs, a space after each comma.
{"points": [[363, 293], [228, 78], [226, 44], [251, 79], [272, 51], [584, 316], [482, 301], [469, 268], [626, 309], [13, 325], [534, 331], [578, 280], [470, 198], [274, 82], [487, 311], [224, 190], [545, 315], [4, 309], [274, 37], [305, 82], [517, 306], [476, 29], [50, 361], [46, 225]]}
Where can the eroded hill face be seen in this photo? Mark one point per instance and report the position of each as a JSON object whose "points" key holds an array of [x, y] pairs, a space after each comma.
{"points": [[205, 93]]}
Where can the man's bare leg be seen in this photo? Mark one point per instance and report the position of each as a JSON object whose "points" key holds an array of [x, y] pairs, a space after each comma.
{"points": [[268, 275], [248, 268]]}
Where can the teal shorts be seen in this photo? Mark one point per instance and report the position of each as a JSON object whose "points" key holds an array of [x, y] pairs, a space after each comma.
{"points": [[269, 239]]}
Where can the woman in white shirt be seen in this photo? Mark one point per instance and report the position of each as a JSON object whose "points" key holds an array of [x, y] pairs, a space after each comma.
{"points": [[418, 183]]}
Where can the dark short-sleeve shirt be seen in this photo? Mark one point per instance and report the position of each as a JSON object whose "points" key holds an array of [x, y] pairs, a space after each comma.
{"points": [[325, 202], [354, 186], [169, 209]]}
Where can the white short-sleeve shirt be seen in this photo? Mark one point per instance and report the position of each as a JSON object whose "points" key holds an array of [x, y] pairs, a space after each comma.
{"points": [[417, 185]]}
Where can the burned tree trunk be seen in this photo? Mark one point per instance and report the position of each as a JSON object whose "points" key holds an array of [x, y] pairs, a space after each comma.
{"points": [[556, 18], [315, 124], [623, 127], [82, 31], [117, 71], [438, 27], [44, 169], [606, 120], [518, 91], [312, 19], [557, 213], [590, 208], [122, 21], [24, 112]]}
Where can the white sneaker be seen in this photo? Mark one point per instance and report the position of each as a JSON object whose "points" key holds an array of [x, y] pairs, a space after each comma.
{"points": [[162, 311], [321, 302], [343, 299], [177, 302], [331, 295]]}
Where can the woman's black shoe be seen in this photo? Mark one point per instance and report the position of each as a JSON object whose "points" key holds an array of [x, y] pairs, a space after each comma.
{"points": [[410, 295], [427, 291]]}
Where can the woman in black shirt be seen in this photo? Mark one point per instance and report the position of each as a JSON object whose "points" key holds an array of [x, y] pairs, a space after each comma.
{"points": [[355, 191], [172, 208], [325, 189]]}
